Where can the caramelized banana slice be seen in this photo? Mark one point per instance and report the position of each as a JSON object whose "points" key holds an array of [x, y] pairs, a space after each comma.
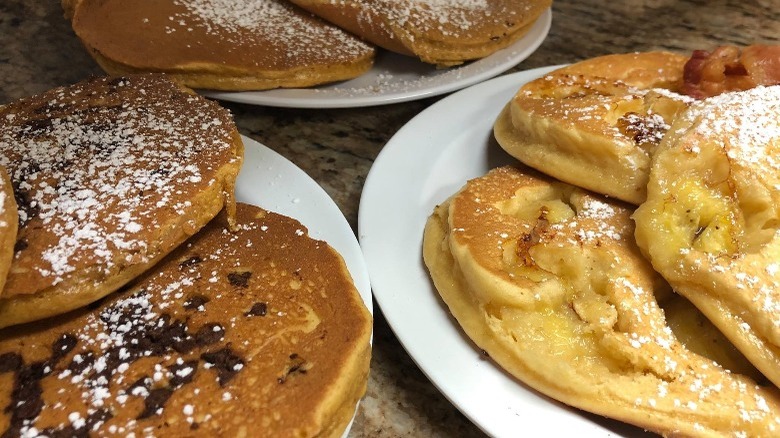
{"points": [[710, 223], [595, 124], [547, 280]]}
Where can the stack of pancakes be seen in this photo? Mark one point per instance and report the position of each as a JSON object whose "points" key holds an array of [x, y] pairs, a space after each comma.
{"points": [[263, 44], [662, 316], [139, 298], [441, 33], [218, 44]]}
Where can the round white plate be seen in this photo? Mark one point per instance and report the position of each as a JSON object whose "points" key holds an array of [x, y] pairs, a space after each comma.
{"points": [[428, 160], [270, 181], [397, 78]]}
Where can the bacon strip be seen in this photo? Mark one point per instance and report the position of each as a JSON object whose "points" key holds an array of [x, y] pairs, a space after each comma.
{"points": [[728, 69]]}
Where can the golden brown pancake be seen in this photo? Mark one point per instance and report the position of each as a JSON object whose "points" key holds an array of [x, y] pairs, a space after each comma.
{"points": [[218, 44], [110, 175], [444, 33], [9, 224], [546, 279], [700, 336], [260, 332], [595, 124], [710, 222]]}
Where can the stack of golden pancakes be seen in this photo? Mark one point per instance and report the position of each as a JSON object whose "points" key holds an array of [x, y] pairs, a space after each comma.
{"points": [[436, 32], [110, 174], [141, 299], [710, 221], [218, 44], [264, 44], [553, 282]]}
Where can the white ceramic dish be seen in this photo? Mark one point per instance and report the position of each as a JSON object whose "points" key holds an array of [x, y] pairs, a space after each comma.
{"points": [[270, 181], [428, 160], [396, 78]]}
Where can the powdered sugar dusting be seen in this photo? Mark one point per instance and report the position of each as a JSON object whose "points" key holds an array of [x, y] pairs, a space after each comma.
{"points": [[449, 17], [98, 163], [749, 130], [397, 76], [565, 261], [595, 103], [273, 20], [595, 220], [178, 354]]}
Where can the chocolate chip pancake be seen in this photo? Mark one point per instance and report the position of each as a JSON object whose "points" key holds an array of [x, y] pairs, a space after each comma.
{"points": [[218, 44], [444, 33], [710, 222], [546, 279], [596, 123], [110, 174], [9, 224], [258, 332]]}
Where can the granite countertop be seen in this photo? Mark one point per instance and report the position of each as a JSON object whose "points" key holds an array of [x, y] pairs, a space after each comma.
{"points": [[38, 51]]}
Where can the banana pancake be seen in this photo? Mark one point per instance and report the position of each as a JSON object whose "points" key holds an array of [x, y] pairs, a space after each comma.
{"points": [[546, 279], [218, 44], [710, 222], [596, 123], [444, 33], [110, 174], [9, 224], [699, 335], [258, 332]]}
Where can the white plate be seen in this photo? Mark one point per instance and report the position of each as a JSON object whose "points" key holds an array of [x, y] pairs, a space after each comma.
{"points": [[397, 78], [428, 160], [270, 181]]}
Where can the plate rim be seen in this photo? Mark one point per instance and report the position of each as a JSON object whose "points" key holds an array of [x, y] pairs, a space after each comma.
{"points": [[528, 44]]}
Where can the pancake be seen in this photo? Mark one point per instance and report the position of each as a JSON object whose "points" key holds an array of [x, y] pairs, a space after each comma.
{"points": [[546, 280], [596, 123], [710, 222], [110, 174], [260, 332], [442, 33], [9, 224], [700, 336], [218, 44]]}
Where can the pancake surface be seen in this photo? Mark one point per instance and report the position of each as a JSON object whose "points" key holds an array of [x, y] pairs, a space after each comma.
{"points": [[218, 44], [546, 279], [596, 123], [9, 225], [233, 334], [710, 222], [444, 33], [110, 175]]}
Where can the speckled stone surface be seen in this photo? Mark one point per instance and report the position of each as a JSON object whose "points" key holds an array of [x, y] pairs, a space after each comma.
{"points": [[38, 51]]}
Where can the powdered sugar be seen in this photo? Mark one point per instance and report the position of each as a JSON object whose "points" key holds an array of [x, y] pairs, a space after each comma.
{"points": [[449, 17], [745, 123], [271, 20], [96, 178], [593, 222]]}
